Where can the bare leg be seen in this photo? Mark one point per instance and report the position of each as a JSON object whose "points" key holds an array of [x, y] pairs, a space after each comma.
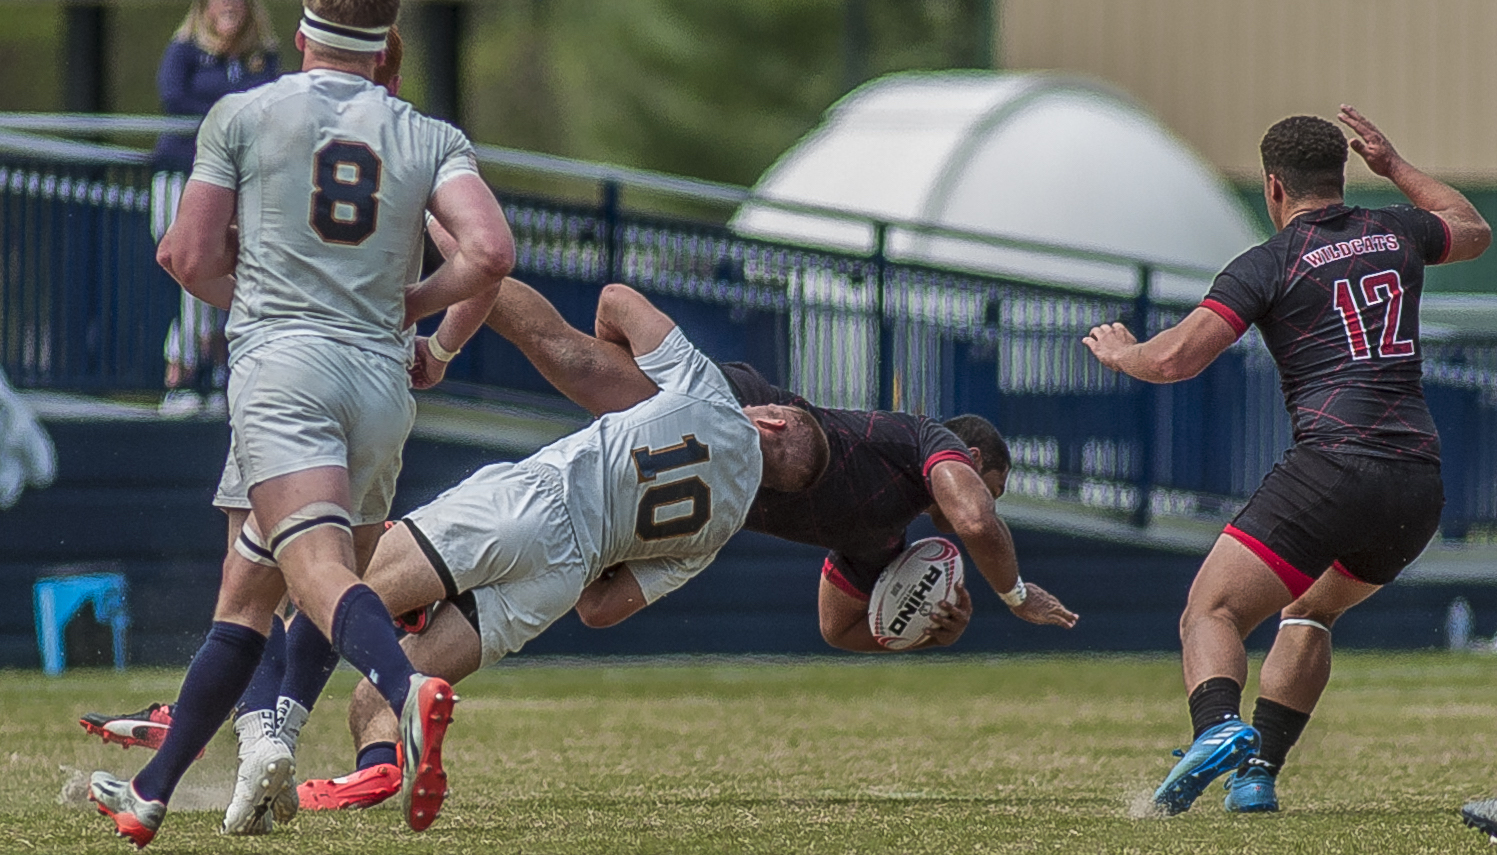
{"points": [[598, 376], [1298, 665], [319, 565], [1233, 593]]}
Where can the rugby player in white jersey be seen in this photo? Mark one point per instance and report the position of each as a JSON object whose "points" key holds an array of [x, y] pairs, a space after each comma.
{"points": [[606, 520], [328, 178]]}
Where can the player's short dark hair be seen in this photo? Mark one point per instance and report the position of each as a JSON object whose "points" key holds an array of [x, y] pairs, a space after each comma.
{"points": [[1308, 155], [811, 453], [979, 433], [357, 13]]}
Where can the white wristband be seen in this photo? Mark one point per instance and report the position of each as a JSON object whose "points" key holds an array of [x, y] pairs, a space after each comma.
{"points": [[1015, 598], [438, 352]]}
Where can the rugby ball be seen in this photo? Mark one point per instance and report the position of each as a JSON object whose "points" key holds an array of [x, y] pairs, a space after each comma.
{"points": [[909, 589]]}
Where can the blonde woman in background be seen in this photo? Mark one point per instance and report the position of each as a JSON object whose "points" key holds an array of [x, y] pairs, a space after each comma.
{"points": [[222, 46]]}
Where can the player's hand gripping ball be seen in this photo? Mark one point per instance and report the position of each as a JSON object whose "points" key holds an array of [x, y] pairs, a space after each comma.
{"points": [[909, 589]]}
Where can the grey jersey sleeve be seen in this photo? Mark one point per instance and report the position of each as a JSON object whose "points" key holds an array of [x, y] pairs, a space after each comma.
{"points": [[677, 366], [216, 162], [659, 576], [457, 158]]}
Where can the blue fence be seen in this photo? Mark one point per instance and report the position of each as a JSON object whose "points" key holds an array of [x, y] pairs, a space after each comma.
{"points": [[83, 306]]}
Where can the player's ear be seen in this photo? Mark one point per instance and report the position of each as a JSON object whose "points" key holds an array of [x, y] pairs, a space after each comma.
{"points": [[976, 456], [769, 425], [300, 41]]}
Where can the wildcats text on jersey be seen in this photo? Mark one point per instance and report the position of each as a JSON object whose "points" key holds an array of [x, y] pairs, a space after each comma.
{"points": [[1348, 248]]}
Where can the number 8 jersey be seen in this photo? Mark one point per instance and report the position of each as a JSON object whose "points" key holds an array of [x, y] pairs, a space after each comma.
{"points": [[1335, 295], [665, 483], [333, 177]]}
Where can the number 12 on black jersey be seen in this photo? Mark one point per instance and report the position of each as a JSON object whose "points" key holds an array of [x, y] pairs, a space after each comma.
{"points": [[648, 463], [1381, 287], [346, 175]]}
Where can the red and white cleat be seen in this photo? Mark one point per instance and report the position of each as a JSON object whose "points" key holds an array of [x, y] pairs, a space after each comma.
{"points": [[423, 724], [361, 789], [135, 819], [147, 727]]}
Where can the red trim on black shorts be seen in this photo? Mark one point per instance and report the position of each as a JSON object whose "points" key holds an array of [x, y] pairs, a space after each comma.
{"points": [[830, 573], [1226, 314], [1347, 573], [1296, 581], [942, 456]]}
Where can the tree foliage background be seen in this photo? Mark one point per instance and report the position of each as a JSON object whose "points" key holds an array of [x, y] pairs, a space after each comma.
{"points": [[709, 88]]}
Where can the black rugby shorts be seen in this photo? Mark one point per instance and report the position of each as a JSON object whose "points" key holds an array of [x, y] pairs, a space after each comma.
{"points": [[1367, 517]]}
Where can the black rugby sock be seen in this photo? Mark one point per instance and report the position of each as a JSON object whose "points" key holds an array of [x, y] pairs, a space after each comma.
{"points": [[217, 677], [375, 754], [1280, 728], [265, 686], [1214, 701], [364, 634], [310, 660]]}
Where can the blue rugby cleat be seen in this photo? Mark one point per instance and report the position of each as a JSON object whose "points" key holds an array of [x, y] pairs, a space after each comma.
{"points": [[1481, 816], [1218, 750], [1250, 790]]}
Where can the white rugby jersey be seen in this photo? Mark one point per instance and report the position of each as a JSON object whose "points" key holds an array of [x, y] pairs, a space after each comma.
{"points": [[665, 483], [333, 177]]}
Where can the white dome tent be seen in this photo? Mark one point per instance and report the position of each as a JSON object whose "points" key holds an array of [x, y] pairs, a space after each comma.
{"points": [[1077, 182]]}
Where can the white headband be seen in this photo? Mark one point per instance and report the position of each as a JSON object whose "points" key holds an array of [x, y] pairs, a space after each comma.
{"points": [[342, 36]]}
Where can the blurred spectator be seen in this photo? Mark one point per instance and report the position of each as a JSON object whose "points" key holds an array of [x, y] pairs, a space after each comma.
{"points": [[26, 455], [222, 46]]}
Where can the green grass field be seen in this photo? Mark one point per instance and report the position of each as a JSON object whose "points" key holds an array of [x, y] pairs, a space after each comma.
{"points": [[900, 754]]}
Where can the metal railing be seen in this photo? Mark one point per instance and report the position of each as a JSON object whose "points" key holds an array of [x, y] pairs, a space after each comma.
{"points": [[82, 305]]}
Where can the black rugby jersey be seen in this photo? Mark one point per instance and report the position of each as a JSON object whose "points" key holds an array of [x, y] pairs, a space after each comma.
{"points": [[1335, 295], [876, 483]]}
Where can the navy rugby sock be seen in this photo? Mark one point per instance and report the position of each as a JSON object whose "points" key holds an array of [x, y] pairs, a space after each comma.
{"points": [[1280, 728], [1216, 700], [218, 676], [365, 636], [265, 686], [310, 662], [376, 753]]}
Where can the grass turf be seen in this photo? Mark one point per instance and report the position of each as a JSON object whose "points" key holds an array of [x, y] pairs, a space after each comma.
{"points": [[900, 754]]}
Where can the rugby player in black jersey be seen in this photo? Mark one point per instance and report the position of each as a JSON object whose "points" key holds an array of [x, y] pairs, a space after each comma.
{"points": [[1335, 295]]}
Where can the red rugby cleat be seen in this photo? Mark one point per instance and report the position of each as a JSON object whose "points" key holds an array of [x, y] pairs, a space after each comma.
{"points": [[361, 789]]}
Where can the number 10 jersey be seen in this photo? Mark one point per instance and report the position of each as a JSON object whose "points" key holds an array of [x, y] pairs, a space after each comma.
{"points": [[1335, 295], [333, 177], [665, 483]]}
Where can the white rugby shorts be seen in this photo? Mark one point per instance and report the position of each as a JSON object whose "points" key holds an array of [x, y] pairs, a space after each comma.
{"points": [[505, 534], [303, 402]]}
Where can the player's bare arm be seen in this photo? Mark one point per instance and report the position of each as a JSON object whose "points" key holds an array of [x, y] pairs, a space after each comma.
{"points": [[627, 318], [599, 376], [1469, 233], [965, 504], [484, 254], [201, 249], [610, 598], [1179, 353]]}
